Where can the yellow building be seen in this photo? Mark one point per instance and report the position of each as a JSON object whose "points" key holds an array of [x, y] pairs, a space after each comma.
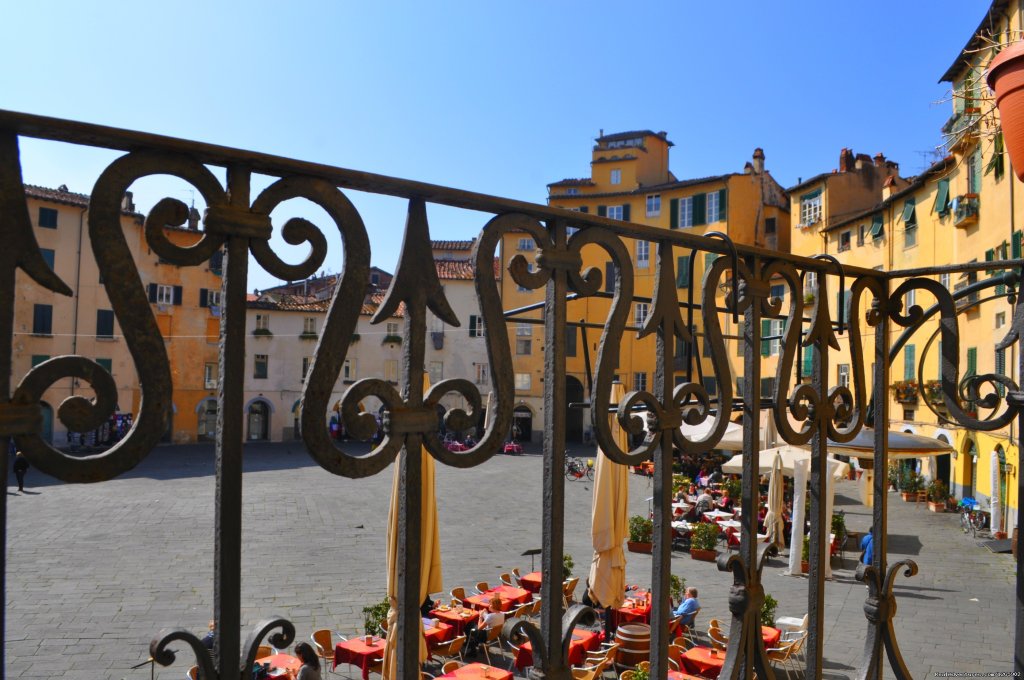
{"points": [[185, 303], [630, 180]]}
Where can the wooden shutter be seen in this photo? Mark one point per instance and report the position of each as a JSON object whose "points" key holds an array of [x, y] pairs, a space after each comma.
{"points": [[766, 329], [683, 271], [152, 292], [807, 361], [602, 211], [203, 297], [909, 362], [700, 204], [472, 325], [972, 361], [177, 295], [609, 277], [673, 214], [584, 209], [722, 205], [942, 197], [1015, 248], [625, 212]]}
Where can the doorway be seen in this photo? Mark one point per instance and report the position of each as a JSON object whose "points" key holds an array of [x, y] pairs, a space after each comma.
{"points": [[258, 421]]}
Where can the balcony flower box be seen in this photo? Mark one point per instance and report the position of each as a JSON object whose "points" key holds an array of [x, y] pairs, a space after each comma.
{"points": [[906, 391]]}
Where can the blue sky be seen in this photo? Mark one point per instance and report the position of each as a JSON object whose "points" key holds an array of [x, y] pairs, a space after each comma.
{"points": [[500, 98]]}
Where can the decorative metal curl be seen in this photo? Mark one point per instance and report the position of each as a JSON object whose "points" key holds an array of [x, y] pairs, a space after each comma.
{"points": [[160, 652], [879, 609], [515, 629], [278, 640], [745, 599]]}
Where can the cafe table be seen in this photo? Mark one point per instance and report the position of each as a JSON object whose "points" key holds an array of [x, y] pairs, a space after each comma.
{"points": [[718, 514], [678, 675], [478, 671], [703, 661], [531, 581], [633, 610], [510, 597], [582, 642], [456, 617], [435, 635], [356, 652], [280, 664], [771, 636], [730, 524]]}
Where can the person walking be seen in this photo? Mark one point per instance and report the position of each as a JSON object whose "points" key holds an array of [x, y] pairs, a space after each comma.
{"points": [[20, 468]]}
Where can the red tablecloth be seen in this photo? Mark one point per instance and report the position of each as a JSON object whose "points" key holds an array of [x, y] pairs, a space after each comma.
{"points": [[280, 664], [478, 671], [442, 633], [358, 653], [510, 597], [532, 581], [770, 636], [699, 661], [583, 641], [456, 619], [639, 611], [676, 675]]}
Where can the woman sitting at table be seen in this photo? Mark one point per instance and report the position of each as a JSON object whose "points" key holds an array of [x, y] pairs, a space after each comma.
{"points": [[725, 502], [310, 669], [476, 631]]}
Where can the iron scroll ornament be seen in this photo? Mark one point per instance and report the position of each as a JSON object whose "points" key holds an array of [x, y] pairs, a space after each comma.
{"points": [[745, 599], [160, 652], [515, 629], [880, 608]]}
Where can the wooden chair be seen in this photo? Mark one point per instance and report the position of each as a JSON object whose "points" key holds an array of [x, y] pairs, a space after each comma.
{"points": [[451, 666], [780, 656], [264, 651], [674, 626], [493, 637], [507, 579], [450, 649], [589, 672], [458, 594], [568, 589], [921, 497], [681, 641], [675, 656], [323, 643], [536, 607], [523, 611], [517, 576], [482, 587], [376, 666], [718, 639], [384, 627]]}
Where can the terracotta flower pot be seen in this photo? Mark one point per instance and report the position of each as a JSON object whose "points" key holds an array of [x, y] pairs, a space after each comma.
{"points": [[1006, 79], [936, 507], [640, 547], [703, 555], [805, 567]]}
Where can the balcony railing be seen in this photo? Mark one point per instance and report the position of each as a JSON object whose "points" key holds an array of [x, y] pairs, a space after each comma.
{"points": [[807, 414]]}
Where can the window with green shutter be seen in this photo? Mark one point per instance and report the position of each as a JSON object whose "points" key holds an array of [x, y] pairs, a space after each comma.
{"points": [[806, 361], [39, 358], [683, 271], [942, 198], [972, 361], [995, 164], [766, 330], [625, 212], [1000, 369], [602, 211], [107, 364], [909, 212], [722, 205], [876, 227], [673, 213], [908, 362], [1015, 246], [709, 259], [699, 209]]}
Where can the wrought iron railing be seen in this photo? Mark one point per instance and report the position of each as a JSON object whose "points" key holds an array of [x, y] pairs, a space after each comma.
{"points": [[240, 224]]}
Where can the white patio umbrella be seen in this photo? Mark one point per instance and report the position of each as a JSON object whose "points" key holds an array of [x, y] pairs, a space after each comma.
{"points": [[773, 522], [608, 519], [796, 539], [789, 456]]}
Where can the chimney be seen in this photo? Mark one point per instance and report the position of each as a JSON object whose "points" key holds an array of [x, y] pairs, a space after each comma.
{"points": [[888, 187], [193, 219], [879, 159], [758, 160], [846, 161], [126, 203]]}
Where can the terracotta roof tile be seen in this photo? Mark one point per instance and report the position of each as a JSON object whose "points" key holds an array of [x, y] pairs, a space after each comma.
{"points": [[65, 197], [453, 245], [571, 182]]}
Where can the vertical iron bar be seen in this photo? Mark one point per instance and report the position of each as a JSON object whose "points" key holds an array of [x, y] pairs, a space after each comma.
{"points": [[879, 517], [1018, 655], [820, 525], [750, 493], [227, 585], [8, 273], [411, 496], [661, 564], [554, 460]]}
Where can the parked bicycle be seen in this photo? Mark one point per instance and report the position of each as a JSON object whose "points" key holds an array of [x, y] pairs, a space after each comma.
{"points": [[576, 468], [972, 517]]}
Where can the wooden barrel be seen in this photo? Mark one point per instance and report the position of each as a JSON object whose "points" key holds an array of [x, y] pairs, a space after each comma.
{"points": [[634, 641]]}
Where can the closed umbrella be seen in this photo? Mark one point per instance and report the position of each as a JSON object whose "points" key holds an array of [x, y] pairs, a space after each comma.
{"points": [[996, 518], [773, 522], [430, 554], [608, 519]]}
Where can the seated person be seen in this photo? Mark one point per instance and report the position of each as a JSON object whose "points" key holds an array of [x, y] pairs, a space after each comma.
{"points": [[476, 631], [688, 608], [705, 496], [725, 502], [426, 607], [715, 477]]}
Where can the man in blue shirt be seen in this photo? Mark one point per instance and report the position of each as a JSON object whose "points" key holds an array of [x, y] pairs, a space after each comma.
{"points": [[867, 544], [688, 608]]}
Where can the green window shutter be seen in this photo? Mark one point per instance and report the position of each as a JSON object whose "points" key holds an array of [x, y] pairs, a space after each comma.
{"points": [[908, 211], [995, 163], [682, 271], [1001, 370], [972, 361], [584, 209], [700, 202], [625, 212], [1018, 241], [908, 362], [876, 227], [807, 361], [472, 325], [673, 214], [942, 197], [602, 211], [990, 255], [722, 204], [107, 364], [38, 359], [766, 329]]}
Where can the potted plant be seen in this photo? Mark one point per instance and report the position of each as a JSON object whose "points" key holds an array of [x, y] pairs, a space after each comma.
{"points": [[703, 540], [933, 392], [641, 530], [391, 340], [768, 610], [734, 487], [893, 475], [937, 495], [839, 526], [805, 555], [676, 587], [641, 673], [906, 391], [680, 483], [373, 616], [567, 565], [911, 484], [1006, 78]]}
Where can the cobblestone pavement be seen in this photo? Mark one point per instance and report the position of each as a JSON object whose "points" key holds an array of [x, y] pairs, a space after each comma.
{"points": [[94, 571]]}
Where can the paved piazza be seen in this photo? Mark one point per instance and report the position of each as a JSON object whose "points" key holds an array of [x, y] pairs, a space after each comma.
{"points": [[95, 571]]}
